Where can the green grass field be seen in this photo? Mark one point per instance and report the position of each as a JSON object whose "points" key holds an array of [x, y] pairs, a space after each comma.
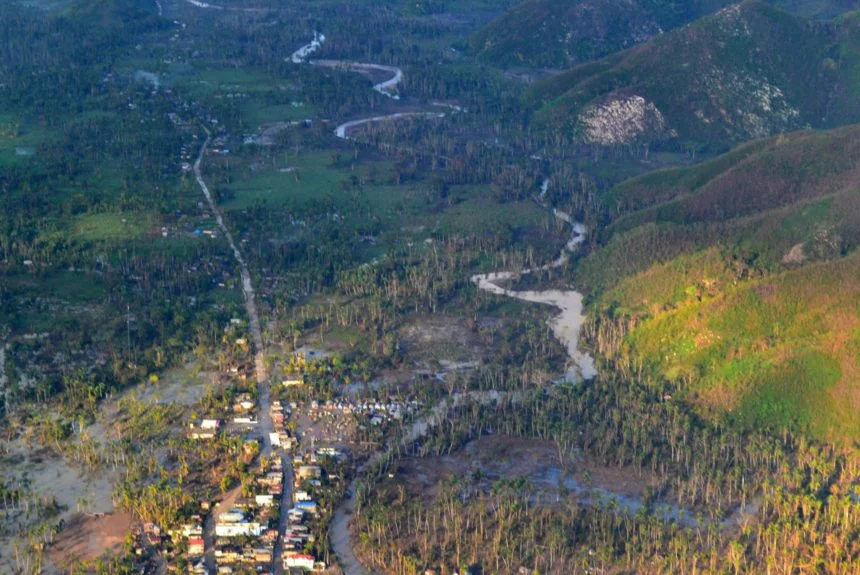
{"points": [[310, 177], [409, 212], [110, 226], [776, 352], [19, 139], [255, 97], [255, 114], [217, 79], [260, 97], [482, 216]]}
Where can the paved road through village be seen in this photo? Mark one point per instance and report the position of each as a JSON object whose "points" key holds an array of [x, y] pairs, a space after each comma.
{"points": [[265, 425]]}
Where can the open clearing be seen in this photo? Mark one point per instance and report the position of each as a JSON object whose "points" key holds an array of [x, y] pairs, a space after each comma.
{"points": [[442, 338], [87, 537], [499, 456], [314, 180], [48, 474], [484, 461], [19, 140]]}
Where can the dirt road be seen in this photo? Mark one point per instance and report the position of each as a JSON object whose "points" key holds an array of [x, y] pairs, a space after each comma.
{"points": [[247, 285]]}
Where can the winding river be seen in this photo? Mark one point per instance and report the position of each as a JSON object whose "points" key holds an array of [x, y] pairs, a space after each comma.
{"points": [[386, 88], [341, 130], [567, 325]]}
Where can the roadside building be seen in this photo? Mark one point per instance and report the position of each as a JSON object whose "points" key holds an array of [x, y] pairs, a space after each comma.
{"points": [[196, 546], [307, 506], [309, 472], [300, 560], [244, 529]]}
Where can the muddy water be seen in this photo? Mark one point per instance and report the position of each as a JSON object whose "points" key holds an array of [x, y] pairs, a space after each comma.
{"points": [[340, 537], [339, 533], [567, 325]]}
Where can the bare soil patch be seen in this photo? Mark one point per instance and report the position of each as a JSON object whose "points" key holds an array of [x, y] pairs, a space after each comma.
{"points": [[49, 476], [87, 537], [326, 428], [494, 457], [442, 338], [795, 255]]}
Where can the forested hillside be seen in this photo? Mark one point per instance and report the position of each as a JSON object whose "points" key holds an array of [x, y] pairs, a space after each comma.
{"points": [[749, 71], [561, 33], [564, 33], [736, 281], [337, 285]]}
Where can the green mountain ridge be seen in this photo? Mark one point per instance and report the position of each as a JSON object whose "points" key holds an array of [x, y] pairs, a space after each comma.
{"points": [[749, 71], [561, 33], [740, 280]]}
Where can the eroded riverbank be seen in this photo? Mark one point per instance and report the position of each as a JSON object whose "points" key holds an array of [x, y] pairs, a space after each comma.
{"points": [[567, 325]]}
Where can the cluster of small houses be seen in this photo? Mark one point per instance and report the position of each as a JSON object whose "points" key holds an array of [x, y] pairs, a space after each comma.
{"points": [[297, 534], [245, 534], [242, 415], [377, 412]]}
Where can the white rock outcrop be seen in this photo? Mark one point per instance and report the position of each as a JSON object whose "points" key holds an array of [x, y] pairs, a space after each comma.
{"points": [[622, 120]]}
